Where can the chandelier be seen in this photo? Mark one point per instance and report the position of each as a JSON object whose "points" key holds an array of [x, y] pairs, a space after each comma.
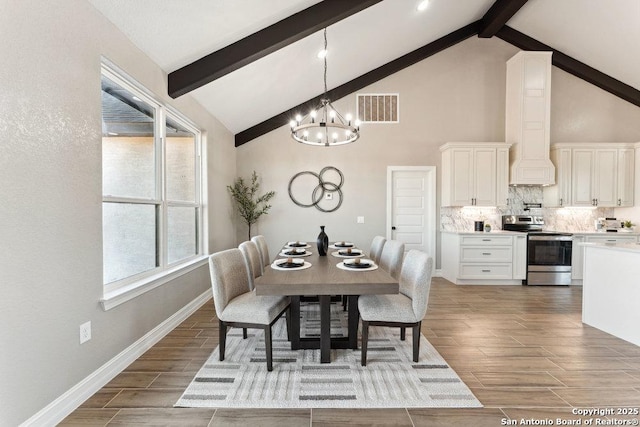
{"points": [[324, 125]]}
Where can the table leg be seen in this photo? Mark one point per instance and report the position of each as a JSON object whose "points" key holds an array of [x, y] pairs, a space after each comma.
{"points": [[295, 322], [354, 318], [325, 328]]}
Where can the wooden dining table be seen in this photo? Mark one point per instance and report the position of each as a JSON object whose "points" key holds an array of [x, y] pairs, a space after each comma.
{"points": [[324, 279]]}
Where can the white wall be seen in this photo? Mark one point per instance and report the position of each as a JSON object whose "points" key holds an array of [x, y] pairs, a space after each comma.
{"points": [[455, 95], [50, 202]]}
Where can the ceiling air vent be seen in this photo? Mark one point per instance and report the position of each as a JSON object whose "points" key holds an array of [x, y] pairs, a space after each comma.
{"points": [[379, 107]]}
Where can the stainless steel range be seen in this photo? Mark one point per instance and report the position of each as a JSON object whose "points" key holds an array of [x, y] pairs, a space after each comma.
{"points": [[548, 252]]}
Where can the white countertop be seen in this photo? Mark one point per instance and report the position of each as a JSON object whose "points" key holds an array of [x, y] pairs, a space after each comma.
{"points": [[604, 233], [485, 233], [624, 247]]}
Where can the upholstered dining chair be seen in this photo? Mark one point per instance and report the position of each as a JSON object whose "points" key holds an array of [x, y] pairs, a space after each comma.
{"points": [[376, 248], [252, 259], [237, 306], [405, 309], [391, 257], [263, 248]]}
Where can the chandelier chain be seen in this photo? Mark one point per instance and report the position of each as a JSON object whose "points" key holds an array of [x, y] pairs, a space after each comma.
{"points": [[325, 62]]}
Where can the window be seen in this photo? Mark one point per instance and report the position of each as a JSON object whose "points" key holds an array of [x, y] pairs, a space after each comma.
{"points": [[151, 182]]}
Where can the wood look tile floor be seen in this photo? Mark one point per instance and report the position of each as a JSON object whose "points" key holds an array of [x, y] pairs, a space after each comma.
{"points": [[523, 351]]}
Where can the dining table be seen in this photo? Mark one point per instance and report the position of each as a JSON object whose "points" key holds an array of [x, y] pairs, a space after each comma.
{"points": [[324, 279]]}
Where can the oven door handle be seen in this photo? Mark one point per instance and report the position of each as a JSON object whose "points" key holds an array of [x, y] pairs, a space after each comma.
{"points": [[553, 238]]}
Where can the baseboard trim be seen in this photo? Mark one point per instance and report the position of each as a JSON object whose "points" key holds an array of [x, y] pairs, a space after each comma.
{"points": [[64, 405]]}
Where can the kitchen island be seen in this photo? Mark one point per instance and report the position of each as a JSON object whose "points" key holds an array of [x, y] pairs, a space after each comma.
{"points": [[611, 291]]}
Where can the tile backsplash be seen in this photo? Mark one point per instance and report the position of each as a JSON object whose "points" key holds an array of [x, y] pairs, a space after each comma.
{"points": [[557, 219]]}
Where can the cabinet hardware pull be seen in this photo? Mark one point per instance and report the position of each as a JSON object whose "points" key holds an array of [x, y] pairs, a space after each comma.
{"points": [[486, 240], [560, 201], [619, 202], [486, 271], [486, 253]]}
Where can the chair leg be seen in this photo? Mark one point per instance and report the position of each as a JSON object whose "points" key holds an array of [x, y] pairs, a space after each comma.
{"points": [[365, 340], [244, 333], [403, 333], [222, 335], [288, 319], [344, 302], [268, 348], [416, 342]]}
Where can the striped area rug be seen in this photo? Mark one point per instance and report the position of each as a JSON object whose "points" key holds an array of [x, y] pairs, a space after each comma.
{"points": [[298, 380]]}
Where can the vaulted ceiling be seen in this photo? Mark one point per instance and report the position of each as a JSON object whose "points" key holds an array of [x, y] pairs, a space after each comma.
{"points": [[249, 62]]}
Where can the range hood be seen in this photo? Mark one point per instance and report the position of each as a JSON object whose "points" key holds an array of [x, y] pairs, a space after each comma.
{"points": [[527, 121]]}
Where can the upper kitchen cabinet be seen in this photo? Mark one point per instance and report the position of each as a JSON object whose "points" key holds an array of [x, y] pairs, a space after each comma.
{"points": [[592, 175], [475, 174], [527, 121]]}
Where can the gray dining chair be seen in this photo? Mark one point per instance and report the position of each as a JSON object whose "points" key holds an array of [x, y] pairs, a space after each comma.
{"points": [[263, 248], [237, 306], [391, 257], [376, 248], [405, 309], [252, 259]]}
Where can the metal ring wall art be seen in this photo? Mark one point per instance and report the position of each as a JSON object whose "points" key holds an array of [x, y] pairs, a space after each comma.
{"points": [[320, 190]]}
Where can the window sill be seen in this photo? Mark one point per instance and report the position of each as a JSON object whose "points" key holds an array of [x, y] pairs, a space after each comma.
{"points": [[121, 295]]}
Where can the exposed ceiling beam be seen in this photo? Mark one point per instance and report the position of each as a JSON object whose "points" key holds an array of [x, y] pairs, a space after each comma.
{"points": [[360, 82], [259, 44], [572, 66], [498, 15]]}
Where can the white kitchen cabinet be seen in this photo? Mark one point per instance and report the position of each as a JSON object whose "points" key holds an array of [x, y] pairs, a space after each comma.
{"points": [[484, 258], [592, 174], [527, 121], [559, 195], [520, 257], [577, 255], [475, 174], [626, 176]]}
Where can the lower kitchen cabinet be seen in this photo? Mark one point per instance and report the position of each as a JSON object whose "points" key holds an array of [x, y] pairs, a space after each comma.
{"points": [[484, 258]]}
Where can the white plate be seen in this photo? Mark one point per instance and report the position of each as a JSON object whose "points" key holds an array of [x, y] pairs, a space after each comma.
{"points": [[353, 255], [305, 253], [333, 245], [341, 265], [303, 264], [305, 245]]}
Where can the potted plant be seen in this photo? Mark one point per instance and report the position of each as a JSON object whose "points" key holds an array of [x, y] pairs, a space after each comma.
{"points": [[250, 206], [627, 224]]}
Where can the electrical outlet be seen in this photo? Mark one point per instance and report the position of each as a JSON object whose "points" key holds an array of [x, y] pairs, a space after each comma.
{"points": [[85, 332], [360, 220]]}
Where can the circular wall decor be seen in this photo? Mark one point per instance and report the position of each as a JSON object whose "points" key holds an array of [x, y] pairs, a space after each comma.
{"points": [[320, 190]]}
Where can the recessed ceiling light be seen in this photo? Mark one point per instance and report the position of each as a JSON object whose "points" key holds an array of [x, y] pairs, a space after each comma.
{"points": [[423, 5], [322, 53]]}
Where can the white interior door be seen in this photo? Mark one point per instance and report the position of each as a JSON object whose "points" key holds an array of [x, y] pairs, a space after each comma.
{"points": [[411, 207]]}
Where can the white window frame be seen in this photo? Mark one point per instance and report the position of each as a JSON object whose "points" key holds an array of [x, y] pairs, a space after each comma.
{"points": [[118, 292]]}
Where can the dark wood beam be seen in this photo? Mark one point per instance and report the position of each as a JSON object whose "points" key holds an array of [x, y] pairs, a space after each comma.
{"points": [[360, 82], [498, 15], [572, 66], [262, 43]]}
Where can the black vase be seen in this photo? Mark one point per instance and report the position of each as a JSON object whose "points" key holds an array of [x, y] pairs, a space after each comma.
{"points": [[323, 242]]}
